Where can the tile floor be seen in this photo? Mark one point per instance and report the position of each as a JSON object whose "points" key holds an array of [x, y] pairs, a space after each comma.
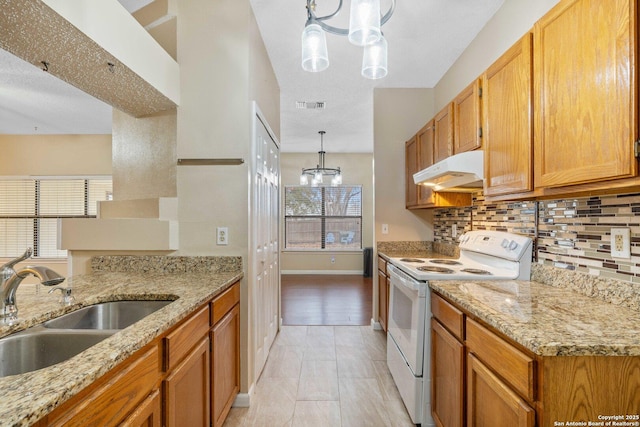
{"points": [[325, 376]]}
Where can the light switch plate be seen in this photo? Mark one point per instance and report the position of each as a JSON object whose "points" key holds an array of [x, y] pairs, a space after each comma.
{"points": [[385, 228], [222, 235], [620, 243]]}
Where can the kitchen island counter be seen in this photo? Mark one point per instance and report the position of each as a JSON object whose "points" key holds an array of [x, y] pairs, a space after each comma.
{"points": [[28, 397]]}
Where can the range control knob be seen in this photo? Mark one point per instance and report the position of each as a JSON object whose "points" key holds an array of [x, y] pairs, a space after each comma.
{"points": [[505, 243], [513, 245]]}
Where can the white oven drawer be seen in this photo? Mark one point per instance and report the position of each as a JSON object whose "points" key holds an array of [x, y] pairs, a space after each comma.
{"points": [[409, 386]]}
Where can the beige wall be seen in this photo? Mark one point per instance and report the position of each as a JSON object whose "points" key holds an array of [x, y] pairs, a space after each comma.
{"points": [[356, 169], [55, 155], [398, 115]]}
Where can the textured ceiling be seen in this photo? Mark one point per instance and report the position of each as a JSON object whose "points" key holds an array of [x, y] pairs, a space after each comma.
{"points": [[425, 37]]}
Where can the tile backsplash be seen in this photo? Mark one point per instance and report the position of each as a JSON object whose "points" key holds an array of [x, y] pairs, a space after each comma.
{"points": [[572, 234]]}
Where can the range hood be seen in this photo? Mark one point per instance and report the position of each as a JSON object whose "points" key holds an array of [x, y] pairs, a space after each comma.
{"points": [[462, 172]]}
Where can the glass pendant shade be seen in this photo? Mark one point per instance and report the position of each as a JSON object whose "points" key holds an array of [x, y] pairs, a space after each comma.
{"points": [[336, 180], [374, 60], [304, 179], [314, 49], [364, 22]]}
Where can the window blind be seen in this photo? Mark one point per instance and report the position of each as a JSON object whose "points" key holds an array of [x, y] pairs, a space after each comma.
{"points": [[323, 217], [30, 209]]}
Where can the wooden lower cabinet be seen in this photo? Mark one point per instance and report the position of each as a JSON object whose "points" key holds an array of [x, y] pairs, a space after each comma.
{"points": [[447, 377], [186, 390], [505, 385], [492, 403]]}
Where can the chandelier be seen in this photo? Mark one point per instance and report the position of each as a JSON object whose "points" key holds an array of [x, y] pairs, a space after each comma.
{"points": [[364, 30], [316, 174]]}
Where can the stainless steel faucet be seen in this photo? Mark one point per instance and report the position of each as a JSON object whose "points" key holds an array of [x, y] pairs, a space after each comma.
{"points": [[11, 279]]}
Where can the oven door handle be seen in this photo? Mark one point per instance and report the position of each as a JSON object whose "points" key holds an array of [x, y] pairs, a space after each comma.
{"points": [[400, 277]]}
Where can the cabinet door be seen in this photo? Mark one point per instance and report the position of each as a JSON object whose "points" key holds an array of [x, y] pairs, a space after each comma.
{"points": [[425, 139], [507, 128], [187, 389], [383, 301], [225, 364], [442, 144], [466, 113], [585, 92], [491, 403], [411, 167], [147, 414], [447, 374]]}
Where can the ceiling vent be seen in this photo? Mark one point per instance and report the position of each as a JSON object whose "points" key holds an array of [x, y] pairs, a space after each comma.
{"points": [[305, 105]]}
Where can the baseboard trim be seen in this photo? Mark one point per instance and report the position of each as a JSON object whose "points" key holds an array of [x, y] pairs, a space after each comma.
{"points": [[243, 400], [327, 272], [376, 325]]}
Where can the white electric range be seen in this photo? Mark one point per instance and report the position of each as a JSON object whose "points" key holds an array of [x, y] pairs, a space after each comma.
{"points": [[484, 255]]}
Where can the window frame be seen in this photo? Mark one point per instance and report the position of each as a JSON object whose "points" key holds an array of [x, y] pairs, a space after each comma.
{"points": [[324, 219]]}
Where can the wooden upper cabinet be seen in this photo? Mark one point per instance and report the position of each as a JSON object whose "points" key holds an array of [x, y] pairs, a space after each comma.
{"points": [[466, 113], [507, 128], [443, 137], [411, 167], [425, 141], [585, 92]]}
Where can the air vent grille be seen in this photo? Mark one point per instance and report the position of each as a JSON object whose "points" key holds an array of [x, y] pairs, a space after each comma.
{"points": [[306, 105]]}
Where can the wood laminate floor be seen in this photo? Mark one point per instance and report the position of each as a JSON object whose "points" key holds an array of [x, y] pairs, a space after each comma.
{"points": [[326, 300]]}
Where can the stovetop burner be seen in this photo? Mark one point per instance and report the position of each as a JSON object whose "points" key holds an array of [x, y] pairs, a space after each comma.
{"points": [[445, 261], [477, 271], [434, 269], [414, 260]]}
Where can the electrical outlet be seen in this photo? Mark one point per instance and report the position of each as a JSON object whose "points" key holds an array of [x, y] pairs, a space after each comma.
{"points": [[222, 235], [454, 230], [620, 243]]}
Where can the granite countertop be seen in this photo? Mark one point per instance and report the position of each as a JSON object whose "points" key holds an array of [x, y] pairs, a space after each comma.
{"points": [[563, 314], [28, 397], [549, 321]]}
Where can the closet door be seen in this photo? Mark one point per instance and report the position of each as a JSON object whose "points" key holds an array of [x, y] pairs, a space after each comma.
{"points": [[265, 210]]}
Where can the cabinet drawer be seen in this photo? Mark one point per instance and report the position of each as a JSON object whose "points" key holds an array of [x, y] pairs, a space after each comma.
{"points": [[107, 404], [382, 265], [178, 343], [448, 315], [224, 302], [504, 359]]}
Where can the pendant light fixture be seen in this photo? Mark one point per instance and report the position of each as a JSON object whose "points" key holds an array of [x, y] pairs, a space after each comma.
{"points": [[364, 30], [315, 176]]}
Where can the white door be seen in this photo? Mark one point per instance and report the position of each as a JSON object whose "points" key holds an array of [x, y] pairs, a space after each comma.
{"points": [[264, 216]]}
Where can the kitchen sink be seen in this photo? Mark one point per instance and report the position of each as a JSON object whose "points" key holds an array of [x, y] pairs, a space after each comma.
{"points": [[38, 348], [59, 339], [106, 315]]}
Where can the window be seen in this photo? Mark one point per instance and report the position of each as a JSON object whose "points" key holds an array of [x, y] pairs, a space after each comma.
{"points": [[322, 217], [30, 208]]}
